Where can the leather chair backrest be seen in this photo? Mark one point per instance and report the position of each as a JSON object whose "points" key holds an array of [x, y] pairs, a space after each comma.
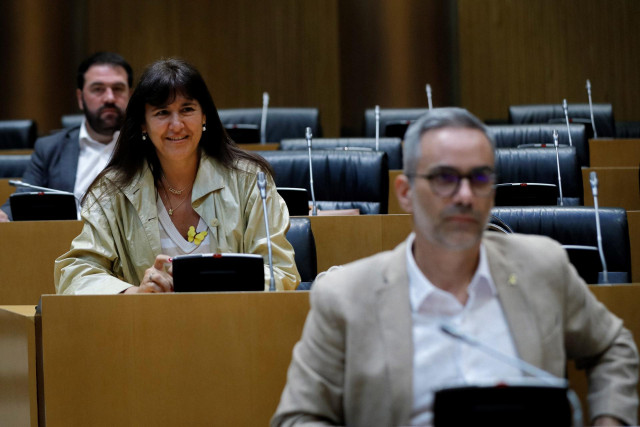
{"points": [[543, 113], [71, 120], [539, 165], [17, 134], [342, 179], [575, 225], [281, 122], [13, 165], [389, 116], [512, 136], [391, 146], [301, 238]]}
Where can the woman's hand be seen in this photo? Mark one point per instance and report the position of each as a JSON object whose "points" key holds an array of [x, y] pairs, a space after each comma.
{"points": [[156, 279]]}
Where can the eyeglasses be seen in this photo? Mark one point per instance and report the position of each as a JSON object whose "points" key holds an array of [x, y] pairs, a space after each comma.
{"points": [[445, 181]]}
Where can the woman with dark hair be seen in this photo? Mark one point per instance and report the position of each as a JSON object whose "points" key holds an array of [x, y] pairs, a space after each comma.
{"points": [[172, 149]]}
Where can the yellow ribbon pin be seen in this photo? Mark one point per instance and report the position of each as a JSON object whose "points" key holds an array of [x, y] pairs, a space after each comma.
{"points": [[194, 237]]}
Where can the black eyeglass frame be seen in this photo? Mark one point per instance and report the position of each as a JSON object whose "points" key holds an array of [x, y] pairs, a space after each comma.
{"points": [[471, 177]]}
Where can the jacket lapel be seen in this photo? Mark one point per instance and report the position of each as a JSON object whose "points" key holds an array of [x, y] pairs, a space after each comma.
{"points": [[510, 285], [394, 316]]}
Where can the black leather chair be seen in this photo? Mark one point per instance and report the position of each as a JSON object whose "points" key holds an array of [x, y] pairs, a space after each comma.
{"points": [[393, 121], [342, 179], [71, 120], [17, 134], [576, 226], [514, 136], [13, 165], [391, 146], [578, 113], [301, 238], [281, 122], [538, 165]]}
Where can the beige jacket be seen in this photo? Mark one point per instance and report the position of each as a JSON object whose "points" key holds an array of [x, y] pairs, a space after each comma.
{"points": [[121, 236], [353, 364]]}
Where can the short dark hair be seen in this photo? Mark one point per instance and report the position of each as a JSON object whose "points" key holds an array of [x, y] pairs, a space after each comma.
{"points": [[437, 118], [103, 58]]}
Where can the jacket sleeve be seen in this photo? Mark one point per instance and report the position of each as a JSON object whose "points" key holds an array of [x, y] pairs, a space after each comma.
{"points": [[255, 237], [314, 391], [599, 343], [88, 267]]}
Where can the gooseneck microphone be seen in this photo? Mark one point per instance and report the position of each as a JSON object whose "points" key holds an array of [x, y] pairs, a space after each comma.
{"points": [[263, 119], [377, 114], [555, 143], [262, 186], [428, 88], [35, 187], [314, 208], [565, 108], [593, 121], [593, 180]]}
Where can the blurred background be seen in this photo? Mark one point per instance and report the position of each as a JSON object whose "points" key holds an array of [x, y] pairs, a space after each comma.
{"points": [[341, 56]]}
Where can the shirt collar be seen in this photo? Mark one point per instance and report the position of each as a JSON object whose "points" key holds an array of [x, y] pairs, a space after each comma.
{"points": [[86, 140], [420, 287]]}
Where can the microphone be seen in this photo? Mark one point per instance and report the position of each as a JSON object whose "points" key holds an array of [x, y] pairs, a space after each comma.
{"points": [[35, 187], [593, 121], [593, 180], [429, 96], [263, 119], [377, 112], [262, 186], [555, 143], [565, 107], [314, 208], [515, 362]]}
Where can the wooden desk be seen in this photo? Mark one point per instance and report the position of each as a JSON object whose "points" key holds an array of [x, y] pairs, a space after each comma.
{"points": [[606, 152], [6, 190], [269, 146], [617, 187], [18, 380], [633, 219], [178, 359], [27, 262]]}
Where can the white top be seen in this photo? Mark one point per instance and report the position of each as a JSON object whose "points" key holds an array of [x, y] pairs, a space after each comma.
{"points": [[440, 361], [172, 241], [93, 158]]}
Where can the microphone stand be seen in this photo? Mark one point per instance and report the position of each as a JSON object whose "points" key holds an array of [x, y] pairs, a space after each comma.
{"points": [[593, 121], [593, 179], [15, 183], [263, 119], [314, 208], [262, 186], [555, 143], [429, 96], [565, 107], [377, 113]]}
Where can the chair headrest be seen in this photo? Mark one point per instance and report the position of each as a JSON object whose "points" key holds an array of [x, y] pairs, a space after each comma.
{"points": [[13, 165], [281, 122], [338, 176], [543, 113], [17, 134], [301, 238], [388, 116], [391, 146]]}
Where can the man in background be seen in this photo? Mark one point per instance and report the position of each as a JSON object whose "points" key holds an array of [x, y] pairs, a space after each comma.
{"points": [[373, 352], [69, 160]]}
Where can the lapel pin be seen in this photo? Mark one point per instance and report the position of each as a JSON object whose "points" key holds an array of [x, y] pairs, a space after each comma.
{"points": [[512, 279], [215, 222]]}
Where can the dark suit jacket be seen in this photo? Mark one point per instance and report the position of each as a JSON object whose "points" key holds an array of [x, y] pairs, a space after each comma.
{"points": [[353, 363], [54, 163]]}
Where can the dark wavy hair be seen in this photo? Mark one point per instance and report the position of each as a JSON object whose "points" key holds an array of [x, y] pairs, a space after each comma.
{"points": [[160, 84], [103, 58]]}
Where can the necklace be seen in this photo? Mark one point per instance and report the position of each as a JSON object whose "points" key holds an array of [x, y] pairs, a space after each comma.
{"points": [[171, 208], [171, 189]]}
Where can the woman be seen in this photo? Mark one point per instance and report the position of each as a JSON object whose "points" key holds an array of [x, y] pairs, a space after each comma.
{"points": [[172, 149]]}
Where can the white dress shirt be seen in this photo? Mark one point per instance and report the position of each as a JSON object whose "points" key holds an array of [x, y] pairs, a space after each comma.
{"points": [[93, 158], [440, 361]]}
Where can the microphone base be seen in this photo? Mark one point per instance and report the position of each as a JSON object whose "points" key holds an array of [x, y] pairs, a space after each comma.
{"points": [[615, 277]]}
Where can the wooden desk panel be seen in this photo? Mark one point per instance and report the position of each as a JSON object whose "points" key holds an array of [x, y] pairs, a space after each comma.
{"points": [[633, 219], [18, 381], [176, 359], [342, 239], [614, 152], [617, 187], [269, 146], [27, 261], [5, 190]]}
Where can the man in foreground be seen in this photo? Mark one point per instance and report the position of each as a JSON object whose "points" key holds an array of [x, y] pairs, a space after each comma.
{"points": [[372, 351], [69, 160]]}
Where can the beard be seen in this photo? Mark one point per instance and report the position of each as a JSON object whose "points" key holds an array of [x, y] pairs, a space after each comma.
{"points": [[104, 126], [459, 236]]}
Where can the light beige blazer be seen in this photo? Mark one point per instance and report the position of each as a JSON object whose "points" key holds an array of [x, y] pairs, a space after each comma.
{"points": [[353, 364]]}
